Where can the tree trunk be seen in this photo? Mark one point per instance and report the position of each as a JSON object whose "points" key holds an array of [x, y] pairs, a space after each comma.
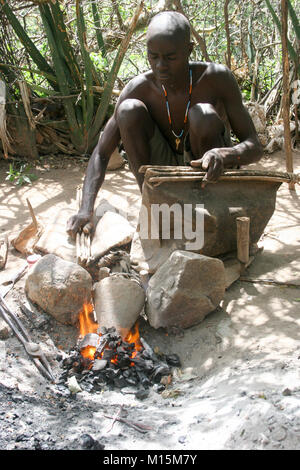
{"points": [[228, 54], [286, 91]]}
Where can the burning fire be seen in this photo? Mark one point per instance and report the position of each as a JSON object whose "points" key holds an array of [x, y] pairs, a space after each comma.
{"points": [[88, 325]]}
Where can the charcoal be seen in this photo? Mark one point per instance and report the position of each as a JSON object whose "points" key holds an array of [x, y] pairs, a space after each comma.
{"points": [[146, 369], [159, 372], [120, 382], [87, 387], [148, 349], [128, 346], [131, 381], [67, 362], [143, 379], [124, 362], [108, 354], [121, 350], [146, 382], [111, 329], [146, 355], [85, 363], [111, 374], [149, 365], [142, 394], [173, 360], [87, 442]]}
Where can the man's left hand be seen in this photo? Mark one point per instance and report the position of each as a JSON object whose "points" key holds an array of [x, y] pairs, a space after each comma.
{"points": [[212, 162]]}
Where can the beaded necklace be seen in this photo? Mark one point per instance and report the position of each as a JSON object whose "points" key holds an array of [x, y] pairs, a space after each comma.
{"points": [[178, 137]]}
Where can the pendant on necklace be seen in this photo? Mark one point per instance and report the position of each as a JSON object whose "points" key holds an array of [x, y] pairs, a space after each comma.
{"points": [[177, 142]]}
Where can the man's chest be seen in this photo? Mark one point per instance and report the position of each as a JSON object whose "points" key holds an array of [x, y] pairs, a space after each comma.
{"points": [[170, 112]]}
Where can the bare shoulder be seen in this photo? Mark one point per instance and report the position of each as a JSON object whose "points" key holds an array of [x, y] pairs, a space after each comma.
{"points": [[212, 71], [137, 88], [219, 80]]}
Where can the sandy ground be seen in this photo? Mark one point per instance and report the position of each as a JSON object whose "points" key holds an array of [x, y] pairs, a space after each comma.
{"points": [[239, 385]]}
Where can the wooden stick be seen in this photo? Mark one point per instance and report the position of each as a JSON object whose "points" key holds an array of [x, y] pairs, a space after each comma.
{"points": [[242, 238], [269, 281], [35, 222], [137, 426], [191, 171], [115, 418], [158, 180], [286, 91]]}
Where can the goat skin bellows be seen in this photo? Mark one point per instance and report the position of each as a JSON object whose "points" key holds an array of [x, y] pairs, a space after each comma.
{"points": [[238, 193]]}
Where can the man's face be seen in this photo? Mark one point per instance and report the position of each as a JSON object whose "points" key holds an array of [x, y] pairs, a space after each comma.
{"points": [[168, 57]]}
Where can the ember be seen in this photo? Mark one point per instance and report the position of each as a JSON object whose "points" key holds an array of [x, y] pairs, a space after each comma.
{"points": [[103, 359]]}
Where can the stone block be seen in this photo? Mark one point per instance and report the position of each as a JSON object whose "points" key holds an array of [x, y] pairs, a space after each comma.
{"points": [[186, 288], [59, 287]]}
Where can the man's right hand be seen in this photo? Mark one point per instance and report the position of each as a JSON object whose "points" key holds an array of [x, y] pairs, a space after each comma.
{"points": [[78, 222]]}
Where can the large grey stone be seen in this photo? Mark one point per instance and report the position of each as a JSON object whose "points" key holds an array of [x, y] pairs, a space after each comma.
{"points": [[59, 287], [118, 302], [184, 290]]}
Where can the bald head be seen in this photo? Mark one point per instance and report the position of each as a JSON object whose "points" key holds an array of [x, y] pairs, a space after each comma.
{"points": [[170, 24]]}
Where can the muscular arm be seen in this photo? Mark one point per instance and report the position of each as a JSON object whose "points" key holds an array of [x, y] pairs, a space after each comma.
{"points": [[249, 149], [97, 165], [94, 177]]}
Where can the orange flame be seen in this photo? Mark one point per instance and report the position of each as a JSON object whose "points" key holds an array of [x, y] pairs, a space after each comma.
{"points": [[88, 325], [134, 337]]}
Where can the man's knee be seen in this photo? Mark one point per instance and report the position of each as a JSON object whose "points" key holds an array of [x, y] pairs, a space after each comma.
{"points": [[204, 120], [130, 112]]}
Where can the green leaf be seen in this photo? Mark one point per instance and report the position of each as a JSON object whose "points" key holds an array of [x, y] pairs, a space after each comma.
{"points": [[294, 19], [27, 179], [30, 47], [293, 54]]}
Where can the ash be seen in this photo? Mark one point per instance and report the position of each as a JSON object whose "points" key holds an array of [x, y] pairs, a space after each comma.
{"points": [[146, 370]]}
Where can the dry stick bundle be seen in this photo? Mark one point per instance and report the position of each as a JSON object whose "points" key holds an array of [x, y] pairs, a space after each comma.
{"points": [[26, 101]]}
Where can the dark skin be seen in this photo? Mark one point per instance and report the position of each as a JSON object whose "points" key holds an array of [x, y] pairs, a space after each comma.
{"points": [[142, 104]]}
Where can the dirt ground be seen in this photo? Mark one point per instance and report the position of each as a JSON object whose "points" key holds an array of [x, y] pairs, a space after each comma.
{"points": [[239, 385]]}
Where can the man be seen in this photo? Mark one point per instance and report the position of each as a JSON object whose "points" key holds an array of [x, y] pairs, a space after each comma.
{"points": [[176, 114]]}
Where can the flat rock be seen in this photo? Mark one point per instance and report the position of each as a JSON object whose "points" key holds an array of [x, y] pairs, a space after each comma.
{"points": [[186, 288], [112, 231], [55, 239], [59, 287], [118, 302]]}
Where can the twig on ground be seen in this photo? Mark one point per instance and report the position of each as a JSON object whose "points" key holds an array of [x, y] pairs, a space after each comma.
{"points": [[269, 281], [115, 419], [137, 426]]}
